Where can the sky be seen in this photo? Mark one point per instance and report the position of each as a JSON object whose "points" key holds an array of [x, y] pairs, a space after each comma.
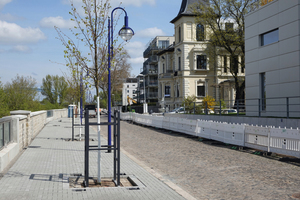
{"points": [[29, 44]]}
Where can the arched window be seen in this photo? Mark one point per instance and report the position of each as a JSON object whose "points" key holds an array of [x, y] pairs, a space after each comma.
{"points": [[200, 32]]}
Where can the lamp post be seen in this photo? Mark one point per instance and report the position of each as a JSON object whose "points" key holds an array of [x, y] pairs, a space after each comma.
{"points": [[126, 34]]}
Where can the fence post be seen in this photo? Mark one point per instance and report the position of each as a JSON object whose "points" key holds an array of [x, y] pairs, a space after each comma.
{"points": [[287, 108], [220, 107], [86, 149], [259, 107], [73, 125], [238, 107], [194, 107]]}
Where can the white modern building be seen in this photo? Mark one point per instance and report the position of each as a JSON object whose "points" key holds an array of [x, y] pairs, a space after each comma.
{"points": [[272, 40], [129, 90]]}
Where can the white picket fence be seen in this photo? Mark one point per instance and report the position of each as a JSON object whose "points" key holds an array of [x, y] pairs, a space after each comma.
{"points": [[278, 140]]}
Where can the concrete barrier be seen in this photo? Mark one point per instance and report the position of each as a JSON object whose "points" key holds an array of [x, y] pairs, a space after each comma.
{"points": [[24, 127]]}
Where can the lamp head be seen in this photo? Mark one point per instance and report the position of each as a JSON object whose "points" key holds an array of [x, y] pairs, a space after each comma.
{"points": [[126, 32]]}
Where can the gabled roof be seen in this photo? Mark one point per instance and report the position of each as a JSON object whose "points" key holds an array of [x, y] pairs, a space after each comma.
{"points": [[185, 9]]}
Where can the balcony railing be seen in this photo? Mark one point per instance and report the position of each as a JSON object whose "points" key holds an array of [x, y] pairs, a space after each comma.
{"points": [[150, 95]]}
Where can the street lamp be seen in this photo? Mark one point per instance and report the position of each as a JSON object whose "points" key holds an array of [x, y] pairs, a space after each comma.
{"points": [[126, 34]]}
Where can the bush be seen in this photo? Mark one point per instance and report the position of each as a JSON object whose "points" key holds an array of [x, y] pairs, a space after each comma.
{"points": [[209, 102]]}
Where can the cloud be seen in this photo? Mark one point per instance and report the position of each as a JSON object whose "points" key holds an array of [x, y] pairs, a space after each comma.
{"points": [[114, 3], [135, 49], [9, 17], [17, 49], [138, 60], [4, 2], [60, 22], [21, 49], [11, 34], [137, 3], [150, 33]]}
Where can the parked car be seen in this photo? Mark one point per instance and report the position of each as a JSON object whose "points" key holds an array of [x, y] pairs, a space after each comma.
{"points": [[92, 110], [229, 111], [177, 110], [209, 111]]}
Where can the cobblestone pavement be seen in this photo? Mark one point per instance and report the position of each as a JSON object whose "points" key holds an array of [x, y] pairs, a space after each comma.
{"points": [[43, 170], [208, 169]]}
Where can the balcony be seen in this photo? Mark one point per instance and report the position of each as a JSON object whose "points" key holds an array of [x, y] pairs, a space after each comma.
{"points": [[152, 95], [168, 74], [151, 83]]}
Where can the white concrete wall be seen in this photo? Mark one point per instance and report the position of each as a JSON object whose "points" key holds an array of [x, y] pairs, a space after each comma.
{"points": [[25, 126], [279, 61]]}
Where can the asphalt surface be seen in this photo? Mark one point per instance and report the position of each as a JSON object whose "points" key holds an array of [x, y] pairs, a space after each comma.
{"points": [[208, 169]]}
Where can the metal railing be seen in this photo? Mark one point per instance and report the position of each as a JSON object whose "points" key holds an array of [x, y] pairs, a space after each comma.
{"points": [[5, 134], [115, 147], [49, 113], [268, 107]]}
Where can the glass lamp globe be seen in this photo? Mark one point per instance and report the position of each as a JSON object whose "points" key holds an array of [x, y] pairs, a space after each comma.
{"points": [[126, 33]]}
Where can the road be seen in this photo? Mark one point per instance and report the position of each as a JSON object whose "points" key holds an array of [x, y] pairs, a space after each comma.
{"points": [[207, 169]]}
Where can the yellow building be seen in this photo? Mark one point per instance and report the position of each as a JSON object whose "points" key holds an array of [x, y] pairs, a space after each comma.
{"points": [[185, 69]]}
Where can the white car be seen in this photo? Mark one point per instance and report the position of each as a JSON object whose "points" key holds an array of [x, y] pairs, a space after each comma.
{"points": [[177, 110]]}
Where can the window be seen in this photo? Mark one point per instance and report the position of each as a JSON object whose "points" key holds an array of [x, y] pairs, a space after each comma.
{"points": [[200, 36], [179, 34], [177, 90], [201, 62], [225, 64], [263, 90], [201, 90], [167, 91], [269, 37], [127, 86], [127, 91], [163, 44], [133, 85], [179, 63]]}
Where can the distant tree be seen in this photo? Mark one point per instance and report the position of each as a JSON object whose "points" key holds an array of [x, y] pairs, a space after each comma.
{"points": [[4, 110], [21, 94], [54, 88], [224, 21], [74, 79]]}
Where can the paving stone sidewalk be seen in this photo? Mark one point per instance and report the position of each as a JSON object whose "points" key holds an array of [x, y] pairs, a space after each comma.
{"points": [[42, 171]]}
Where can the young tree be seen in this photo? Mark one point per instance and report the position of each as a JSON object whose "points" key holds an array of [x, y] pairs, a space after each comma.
{"points": [[225, 27], [21, 93], [88, 46]]}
